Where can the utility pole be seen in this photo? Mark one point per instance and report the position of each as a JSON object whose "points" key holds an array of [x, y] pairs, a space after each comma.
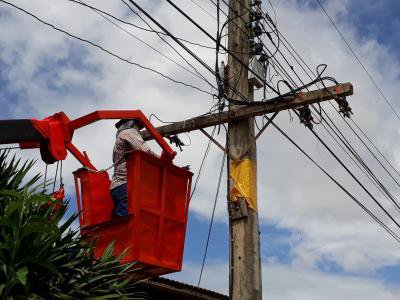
{"points": [[245, 280], [245, 263]]}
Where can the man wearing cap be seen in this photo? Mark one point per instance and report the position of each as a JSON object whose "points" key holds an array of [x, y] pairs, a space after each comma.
{"points": [[128, 139]]}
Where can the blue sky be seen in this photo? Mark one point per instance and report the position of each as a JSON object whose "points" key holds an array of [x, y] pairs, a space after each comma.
{"points": [[314, 241], [377, 20]]}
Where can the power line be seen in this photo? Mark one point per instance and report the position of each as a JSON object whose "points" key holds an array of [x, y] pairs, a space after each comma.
{"points": [[357, 163], [203, 9], [104, 49], [372, 215], [202, 165], [373, 145], [351, 149], [347, 144], [370, 151], [170, 35], [137, 26], [361, 162], [223, 47], [278, 98], [145, 43], [165, 41], [354, 177], [352, 120], [359, 61], [235, 57], [358, 158], [183, 46], [212, 218]]}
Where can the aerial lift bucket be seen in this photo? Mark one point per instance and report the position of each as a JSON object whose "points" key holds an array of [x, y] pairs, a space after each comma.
{"points": [[153, 233]]}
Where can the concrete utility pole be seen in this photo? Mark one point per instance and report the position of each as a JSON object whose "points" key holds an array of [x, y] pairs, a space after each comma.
{"points": [[245, 275], [245, 264]]}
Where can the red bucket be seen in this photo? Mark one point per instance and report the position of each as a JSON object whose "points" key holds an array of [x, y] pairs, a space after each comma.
{"points": [[153, 233]]}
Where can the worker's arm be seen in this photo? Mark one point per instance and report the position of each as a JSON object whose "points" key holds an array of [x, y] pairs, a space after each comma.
{"points": [[135, 141]]}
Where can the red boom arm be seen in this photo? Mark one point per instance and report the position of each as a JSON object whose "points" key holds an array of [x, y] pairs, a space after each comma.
{"points": [[53, 135]]}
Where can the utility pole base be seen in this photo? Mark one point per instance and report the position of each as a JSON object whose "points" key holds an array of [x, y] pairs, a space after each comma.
{"points": [[245, 250]]}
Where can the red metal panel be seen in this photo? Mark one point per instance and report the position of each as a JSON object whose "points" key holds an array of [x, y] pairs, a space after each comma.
{"points": [[153, 233], [161, 210], [57, 144], [97, 205]]}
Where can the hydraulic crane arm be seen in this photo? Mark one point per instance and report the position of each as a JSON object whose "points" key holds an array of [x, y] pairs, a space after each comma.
{"points": [[17, 131], [53, 135]]}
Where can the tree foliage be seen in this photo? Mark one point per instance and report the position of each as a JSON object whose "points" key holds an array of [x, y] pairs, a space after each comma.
{"points": [[41, 256]]}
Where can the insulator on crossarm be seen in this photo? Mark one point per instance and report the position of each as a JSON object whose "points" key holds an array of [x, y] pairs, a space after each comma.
{"points": [[263, 58], [256, 16], [256, 31], [256, 48], [255, 3]]}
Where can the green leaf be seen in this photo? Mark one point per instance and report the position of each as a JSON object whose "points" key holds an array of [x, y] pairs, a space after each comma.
{"points": [[37, 227], [2, 286], [22, 275], [13, 207], [39, 262]]}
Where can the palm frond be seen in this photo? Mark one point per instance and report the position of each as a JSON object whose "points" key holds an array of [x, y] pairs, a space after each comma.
{"points": [[41, 256]]}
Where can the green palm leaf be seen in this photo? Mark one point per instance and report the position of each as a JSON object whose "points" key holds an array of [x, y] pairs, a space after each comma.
{"points": [[41, 257]]}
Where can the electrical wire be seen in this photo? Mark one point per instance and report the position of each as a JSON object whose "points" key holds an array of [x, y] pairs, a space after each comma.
{"points": [[356, 162], [372, 215], [223, 47], [202, 165], [147, 44], [212, 219], [393, 200], [364, 165], [137, 26], [373, 145], [264, 46], [291, 50], [369, 150], [203, 9], [278, 98], [354, 177], [361, 164], [180, 44], [354, 153], [172, 47], [104, 49], [173, 38], [359, 61]]}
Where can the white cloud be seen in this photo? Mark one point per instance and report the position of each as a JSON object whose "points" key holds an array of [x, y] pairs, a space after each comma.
{"points": [[293, 194], [285, 282]]}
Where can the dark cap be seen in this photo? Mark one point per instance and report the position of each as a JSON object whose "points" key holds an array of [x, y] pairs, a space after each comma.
{"points": [[133, 122], [121, 122]]}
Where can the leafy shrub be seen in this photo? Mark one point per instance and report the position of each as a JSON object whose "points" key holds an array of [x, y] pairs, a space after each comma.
{"points": [[41, 256]]}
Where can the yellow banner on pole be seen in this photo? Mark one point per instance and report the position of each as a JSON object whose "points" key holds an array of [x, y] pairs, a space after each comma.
{"points": [[243, 174]]}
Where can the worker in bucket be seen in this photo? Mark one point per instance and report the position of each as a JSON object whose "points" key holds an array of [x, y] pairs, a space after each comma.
{"points": [[127, 140]]}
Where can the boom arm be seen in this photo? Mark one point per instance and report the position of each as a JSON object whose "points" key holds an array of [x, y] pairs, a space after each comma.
{"points": [[53, 135]]}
